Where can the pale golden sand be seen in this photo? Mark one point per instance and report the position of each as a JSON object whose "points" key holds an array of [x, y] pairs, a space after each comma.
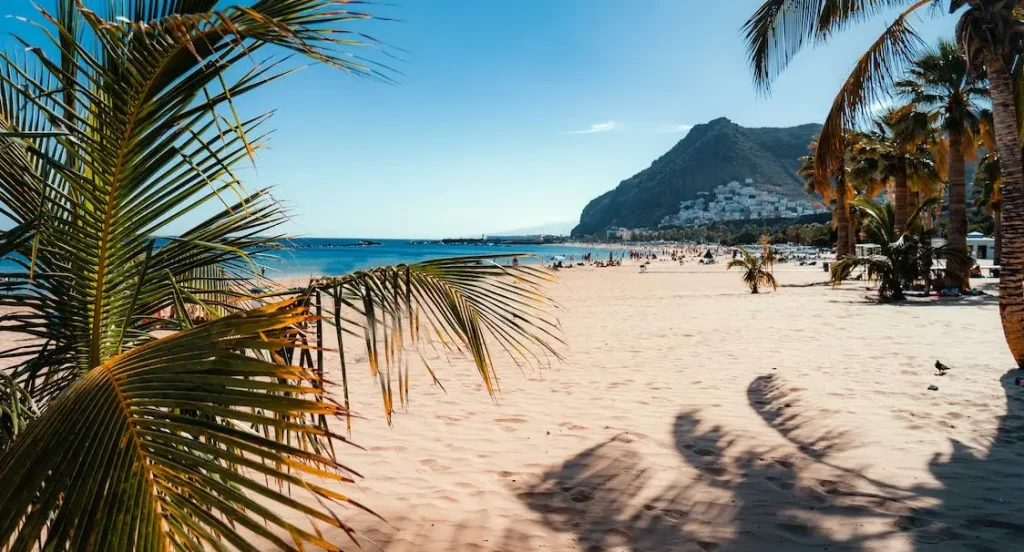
{"points": [[690, 415]]}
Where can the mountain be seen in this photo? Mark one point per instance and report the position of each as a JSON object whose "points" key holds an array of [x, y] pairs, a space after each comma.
{"points": [[711, 154]]}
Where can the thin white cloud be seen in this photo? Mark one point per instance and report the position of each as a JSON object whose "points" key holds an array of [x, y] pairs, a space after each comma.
{"points": [[673, 128], [606, 126]]}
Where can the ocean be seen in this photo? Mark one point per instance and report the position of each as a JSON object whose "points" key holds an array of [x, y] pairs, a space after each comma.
{"points": [[323, 257], [316, 256]]}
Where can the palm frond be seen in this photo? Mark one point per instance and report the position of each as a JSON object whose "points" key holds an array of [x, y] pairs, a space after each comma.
{"points": [[869, 81], [775, 33], [466, 304], [163, 447], [17, 410], [874, 266], [780, 28], [131, 130], [757, 270]]}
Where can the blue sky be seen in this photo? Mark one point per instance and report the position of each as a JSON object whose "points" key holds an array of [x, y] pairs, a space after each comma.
{"points": [[515, 113]]}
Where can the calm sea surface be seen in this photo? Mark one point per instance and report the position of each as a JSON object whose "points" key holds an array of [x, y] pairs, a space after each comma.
{"points": [[317, 257], [313, 256]]}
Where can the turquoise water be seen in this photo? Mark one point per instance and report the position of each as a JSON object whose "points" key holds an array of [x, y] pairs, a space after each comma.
{"points": [[312, 256]]}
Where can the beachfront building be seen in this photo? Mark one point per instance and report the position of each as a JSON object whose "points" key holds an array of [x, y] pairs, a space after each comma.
{"points": [[980, 246], [623, 234], [867, 249], [735, 201]]}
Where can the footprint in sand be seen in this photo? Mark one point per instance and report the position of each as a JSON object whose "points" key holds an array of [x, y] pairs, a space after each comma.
{"points": [[511, 420], [449, 418], [828, 486], [434, 465], [571, 426]]}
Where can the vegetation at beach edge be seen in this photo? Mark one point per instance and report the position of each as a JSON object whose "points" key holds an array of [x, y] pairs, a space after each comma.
{"points": [[949, 102]]}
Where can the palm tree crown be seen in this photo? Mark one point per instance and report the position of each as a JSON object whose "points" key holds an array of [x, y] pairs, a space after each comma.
{"points": [[756, 269], [897, 262], [939, 81]]}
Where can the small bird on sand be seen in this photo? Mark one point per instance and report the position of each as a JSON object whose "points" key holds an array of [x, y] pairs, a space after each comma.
{"points": [[942, 368]]}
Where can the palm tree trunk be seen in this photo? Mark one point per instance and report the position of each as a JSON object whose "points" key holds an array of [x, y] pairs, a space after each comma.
{"points": [[842, 227], [1011, 277], [997, 222], [853, 236], [842, 212], [901, 198], [913, 200], [957, 266]]}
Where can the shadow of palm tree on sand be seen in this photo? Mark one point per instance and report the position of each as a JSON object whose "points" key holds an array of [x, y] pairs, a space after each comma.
{"points": [[732, 494]]}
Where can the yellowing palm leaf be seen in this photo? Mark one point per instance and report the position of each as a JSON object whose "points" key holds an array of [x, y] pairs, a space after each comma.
{"points": [[163, 447], [131, 130], [462, 303]]}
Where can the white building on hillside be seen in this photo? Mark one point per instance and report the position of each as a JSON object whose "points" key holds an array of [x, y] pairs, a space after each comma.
{"points": [[735, 201], [623, 234]]}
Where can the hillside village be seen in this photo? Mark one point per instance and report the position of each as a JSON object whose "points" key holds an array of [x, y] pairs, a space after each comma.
{"points": [[735, 201], [719, 152]]}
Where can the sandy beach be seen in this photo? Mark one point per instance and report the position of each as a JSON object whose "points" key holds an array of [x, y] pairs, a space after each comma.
{"points": [[691, 415]]}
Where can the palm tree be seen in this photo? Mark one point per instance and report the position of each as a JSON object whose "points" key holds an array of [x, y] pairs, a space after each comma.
{"points": [[916, 145], [988, 182], [898, 153], [836, 190], [756, 270], [122, 124], [940, 82], [897, 262], [988, 33], [828, 188]]}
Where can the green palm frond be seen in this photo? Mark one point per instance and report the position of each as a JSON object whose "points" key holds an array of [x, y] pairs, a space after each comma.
{"points": [[780, 28], [877, 268], [902, 256], [463, 303], [17, 410], [131, 129], [869, 82], [988, 181], [163, 447], [756, 269]]}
